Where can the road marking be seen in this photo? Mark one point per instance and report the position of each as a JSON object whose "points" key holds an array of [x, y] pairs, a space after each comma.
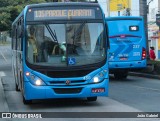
{"points": [[2, 73], [147, 88], [3, 57]]}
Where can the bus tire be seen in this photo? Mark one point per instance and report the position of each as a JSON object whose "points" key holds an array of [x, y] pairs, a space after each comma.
{"points": [[16, 85], [17, 89], [26, 102], [122, 75], [125, 76], [91, 98]]}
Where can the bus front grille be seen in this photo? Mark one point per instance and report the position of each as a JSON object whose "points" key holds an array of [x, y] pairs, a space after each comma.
{"points": [[66, 74], [64, 82], [67, 90]]}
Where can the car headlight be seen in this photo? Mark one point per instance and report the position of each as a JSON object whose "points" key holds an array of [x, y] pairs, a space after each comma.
{"points": [[34, 79]]}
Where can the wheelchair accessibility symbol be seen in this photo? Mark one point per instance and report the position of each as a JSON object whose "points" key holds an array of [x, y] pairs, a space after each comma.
{"points": [[71, 61]]}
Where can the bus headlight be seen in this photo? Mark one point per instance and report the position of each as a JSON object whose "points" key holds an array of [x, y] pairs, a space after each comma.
{"points": [[96, 79], [99, 77], [38, 82], [35, 80]]}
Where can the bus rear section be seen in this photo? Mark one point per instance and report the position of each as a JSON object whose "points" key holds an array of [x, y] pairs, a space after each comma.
{"points": [[127, 45]]}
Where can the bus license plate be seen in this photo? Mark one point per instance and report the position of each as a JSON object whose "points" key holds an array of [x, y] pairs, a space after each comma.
{"points": [[98, 90], [123, 58]]}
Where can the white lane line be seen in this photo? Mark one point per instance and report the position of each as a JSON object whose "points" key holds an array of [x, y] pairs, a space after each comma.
{"points": [[152, 89], [2, 73], [3, 57]]}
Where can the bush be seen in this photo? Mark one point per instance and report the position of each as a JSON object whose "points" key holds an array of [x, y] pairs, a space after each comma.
{"points": [[153, 67], [156, 67]]}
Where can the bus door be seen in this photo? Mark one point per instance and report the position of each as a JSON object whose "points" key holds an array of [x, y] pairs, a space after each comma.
{"points": [[126, 40], [14, 54], [18, 63]]}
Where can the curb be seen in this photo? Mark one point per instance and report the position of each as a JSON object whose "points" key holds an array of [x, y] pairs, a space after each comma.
{"points": [[3, 98], [144, 75]]}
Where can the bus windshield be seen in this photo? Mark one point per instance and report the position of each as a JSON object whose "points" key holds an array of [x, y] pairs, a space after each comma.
{"points": [[61, 45]]}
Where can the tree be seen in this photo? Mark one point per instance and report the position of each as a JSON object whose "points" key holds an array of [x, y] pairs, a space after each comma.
{"points": [[10, 9]]}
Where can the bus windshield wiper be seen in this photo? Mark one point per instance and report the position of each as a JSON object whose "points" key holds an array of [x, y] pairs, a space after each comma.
{"points": [[53, 34], [79, 29]]}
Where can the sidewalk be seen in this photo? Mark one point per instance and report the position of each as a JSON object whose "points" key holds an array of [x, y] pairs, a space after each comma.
{"points": [[144, 75], [151, 71], [3, 103]]}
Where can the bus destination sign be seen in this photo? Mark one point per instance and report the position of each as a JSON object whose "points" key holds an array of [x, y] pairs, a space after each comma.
{"points": [[64, 14]]}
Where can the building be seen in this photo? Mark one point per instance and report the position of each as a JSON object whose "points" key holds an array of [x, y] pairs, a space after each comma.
{"points": [[115, 7], [123, 8], [153, 28]]}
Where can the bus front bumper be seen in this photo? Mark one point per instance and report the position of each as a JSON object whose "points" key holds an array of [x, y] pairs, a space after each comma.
{"points": [[32, 92]]}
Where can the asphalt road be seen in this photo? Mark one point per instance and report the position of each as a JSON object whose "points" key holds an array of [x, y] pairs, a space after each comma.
{"points": [[135, 94]]}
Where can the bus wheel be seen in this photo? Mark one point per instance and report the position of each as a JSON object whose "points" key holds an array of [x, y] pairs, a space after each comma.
{"points": [[17, 89], [26, 102], [91, 98], [16, 85], [122, 75]]}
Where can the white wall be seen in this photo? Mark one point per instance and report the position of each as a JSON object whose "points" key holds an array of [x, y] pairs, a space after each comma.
{"points": [[134, 8], [103, 4], [153, 9]]}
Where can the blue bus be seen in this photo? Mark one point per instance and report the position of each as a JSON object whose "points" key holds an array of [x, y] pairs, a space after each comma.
{"points": [[59, 51], [127, 45]]}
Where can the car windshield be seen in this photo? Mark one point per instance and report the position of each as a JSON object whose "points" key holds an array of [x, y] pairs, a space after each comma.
{"points": [[61, 45]]}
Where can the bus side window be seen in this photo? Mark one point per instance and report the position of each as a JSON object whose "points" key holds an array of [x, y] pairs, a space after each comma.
{"points": [[22, 32], [14, 37], [19, 32]]}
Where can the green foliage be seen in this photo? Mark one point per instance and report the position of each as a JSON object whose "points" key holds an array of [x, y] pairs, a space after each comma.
{"points": [[153, 67], [10, 9]]}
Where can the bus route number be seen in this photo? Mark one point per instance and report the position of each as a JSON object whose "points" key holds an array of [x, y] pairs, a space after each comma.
{"points": [[136, 54], [136, 46]]}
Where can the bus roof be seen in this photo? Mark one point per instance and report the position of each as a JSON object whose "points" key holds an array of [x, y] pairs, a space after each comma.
{"points": [[124, 18], [63, 4], [55, 4]]}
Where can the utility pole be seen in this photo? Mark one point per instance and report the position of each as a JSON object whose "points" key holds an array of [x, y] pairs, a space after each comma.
{"points": [[159, 26], [108, 7], [159, 12], [158, 5], [143, 12]]}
